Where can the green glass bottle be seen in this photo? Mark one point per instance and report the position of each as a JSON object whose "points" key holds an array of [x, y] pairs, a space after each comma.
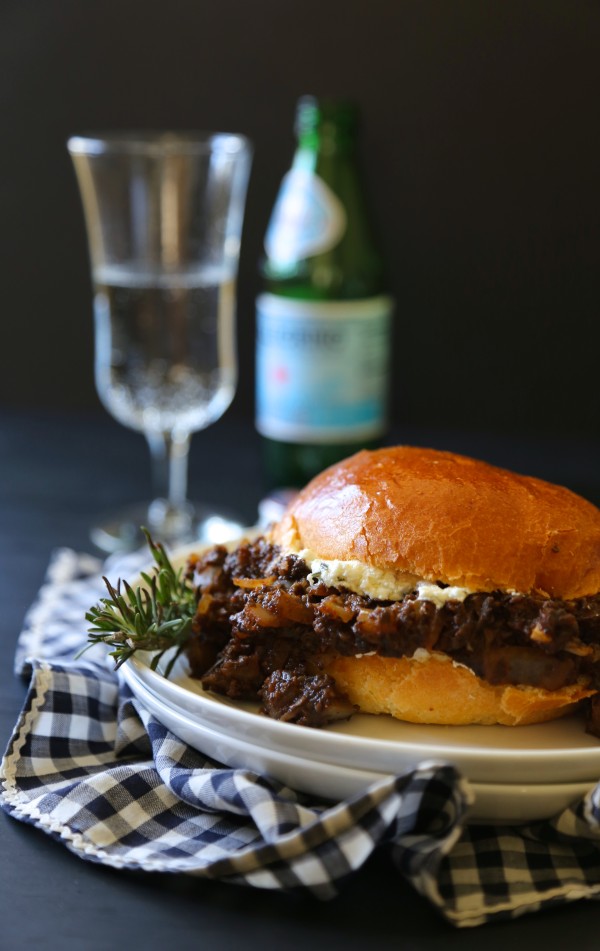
{"points": [[323, 320]]}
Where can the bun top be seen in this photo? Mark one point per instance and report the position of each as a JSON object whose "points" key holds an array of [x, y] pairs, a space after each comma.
{"points": [[451, 519]]}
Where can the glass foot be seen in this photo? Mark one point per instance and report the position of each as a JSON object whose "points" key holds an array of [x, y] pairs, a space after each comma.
{"points": [[122, 531]]}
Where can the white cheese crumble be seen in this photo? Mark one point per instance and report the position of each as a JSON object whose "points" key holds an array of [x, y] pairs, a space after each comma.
{"points": [[432, 592], [375, 582], [357, 577]]}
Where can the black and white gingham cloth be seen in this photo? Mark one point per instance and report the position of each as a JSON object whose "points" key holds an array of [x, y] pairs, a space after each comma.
{"points": [[91, 767]]}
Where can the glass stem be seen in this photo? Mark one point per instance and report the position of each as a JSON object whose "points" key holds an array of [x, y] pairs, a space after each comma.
{"points": [[170, 508]]}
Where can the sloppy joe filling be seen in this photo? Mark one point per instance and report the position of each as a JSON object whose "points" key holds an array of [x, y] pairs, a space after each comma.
{"points": [[266, 622]]}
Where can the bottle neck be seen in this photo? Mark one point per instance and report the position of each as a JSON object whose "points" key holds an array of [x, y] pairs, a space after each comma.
{"points": [[319, 244], [328, 139], [327, 127]]}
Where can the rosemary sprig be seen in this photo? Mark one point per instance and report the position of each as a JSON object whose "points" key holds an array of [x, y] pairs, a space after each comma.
{"points": [[155, 618]]}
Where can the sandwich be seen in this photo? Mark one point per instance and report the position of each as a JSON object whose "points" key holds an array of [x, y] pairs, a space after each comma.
{"points": [[421, 584]]}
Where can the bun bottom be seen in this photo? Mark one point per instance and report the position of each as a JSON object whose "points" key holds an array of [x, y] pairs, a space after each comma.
{"points": [[436, 690]]}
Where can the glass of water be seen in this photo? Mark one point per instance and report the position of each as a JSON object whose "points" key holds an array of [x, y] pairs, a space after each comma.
{"points": [[164, 214]]}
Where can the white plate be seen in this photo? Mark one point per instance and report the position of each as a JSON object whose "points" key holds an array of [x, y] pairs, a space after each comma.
{"points": [[492, 802]]}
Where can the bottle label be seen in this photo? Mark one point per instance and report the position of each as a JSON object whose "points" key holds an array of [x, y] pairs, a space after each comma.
{"points": [[308, 219], [322, 368]]}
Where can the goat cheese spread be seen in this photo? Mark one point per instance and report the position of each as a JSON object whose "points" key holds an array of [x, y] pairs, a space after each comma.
{"points": [[377, 583]]}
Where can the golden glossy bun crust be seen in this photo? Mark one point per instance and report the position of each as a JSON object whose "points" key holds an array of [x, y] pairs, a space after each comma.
{"points": [[436, 690], [449, 518]]}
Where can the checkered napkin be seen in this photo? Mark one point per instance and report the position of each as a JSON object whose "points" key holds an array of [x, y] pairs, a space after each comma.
{"points": [[91, 767]]}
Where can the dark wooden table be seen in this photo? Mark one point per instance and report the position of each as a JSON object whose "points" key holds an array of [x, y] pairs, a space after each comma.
{"points": [[56, 474]]}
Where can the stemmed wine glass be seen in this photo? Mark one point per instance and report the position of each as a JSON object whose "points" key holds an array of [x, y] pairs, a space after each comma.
{"points": [[163, 214]]}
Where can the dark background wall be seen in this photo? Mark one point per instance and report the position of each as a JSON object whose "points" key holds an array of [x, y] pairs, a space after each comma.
{"points": [[481, 149]]}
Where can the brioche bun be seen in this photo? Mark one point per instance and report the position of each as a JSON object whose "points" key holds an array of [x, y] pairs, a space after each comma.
{"points": [[447, 518], [436, 690]]}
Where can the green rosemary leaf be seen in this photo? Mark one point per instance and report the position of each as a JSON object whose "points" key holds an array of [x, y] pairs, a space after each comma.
{"points": [[156, 660], [172, 660], [132, 596]]}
